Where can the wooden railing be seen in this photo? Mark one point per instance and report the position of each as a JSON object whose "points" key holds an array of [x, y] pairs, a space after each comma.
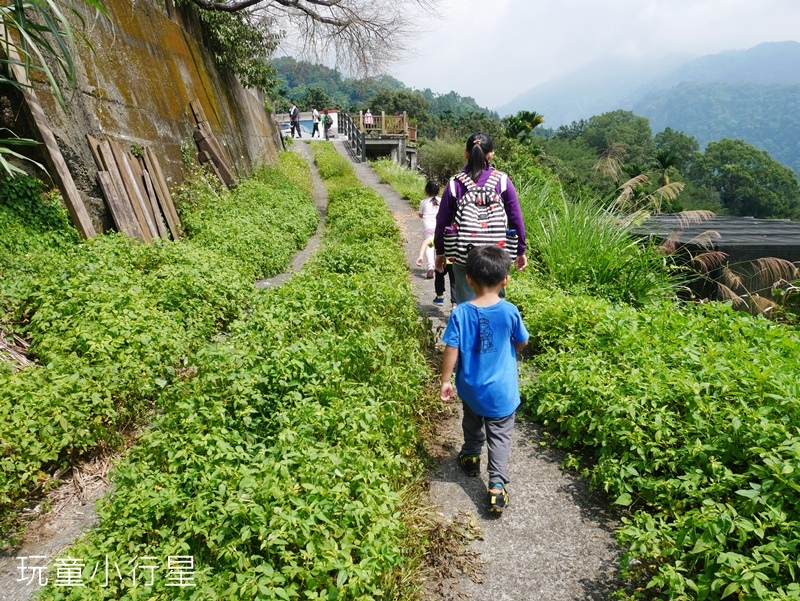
{"points": [[384, 124], [356, 129]]}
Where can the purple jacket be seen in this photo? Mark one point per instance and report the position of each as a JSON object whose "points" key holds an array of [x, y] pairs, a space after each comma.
{"points": [[447, 210]]}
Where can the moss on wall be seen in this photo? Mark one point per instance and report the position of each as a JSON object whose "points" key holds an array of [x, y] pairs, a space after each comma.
{"points": [[136, 86]]}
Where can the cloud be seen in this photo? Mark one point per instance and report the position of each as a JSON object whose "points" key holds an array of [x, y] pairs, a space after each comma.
{"points": [[495, 50]]}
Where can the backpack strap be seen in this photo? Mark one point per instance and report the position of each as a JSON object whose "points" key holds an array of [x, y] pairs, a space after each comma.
{"points": [[494, 178], [466, 181], [503, 182]]}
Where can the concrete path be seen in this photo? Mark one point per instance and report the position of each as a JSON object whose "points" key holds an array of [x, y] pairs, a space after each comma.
{"points": [[556, 541]]}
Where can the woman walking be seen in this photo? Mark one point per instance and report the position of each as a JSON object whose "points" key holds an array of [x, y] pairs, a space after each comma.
{"points": [[479, 189]]}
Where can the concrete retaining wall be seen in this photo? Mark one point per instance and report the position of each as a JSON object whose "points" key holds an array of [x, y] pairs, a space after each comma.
{"points": [[136, 86]]}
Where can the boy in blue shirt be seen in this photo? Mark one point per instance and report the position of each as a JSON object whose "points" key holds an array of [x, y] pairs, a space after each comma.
{"points": [[482, 338]]}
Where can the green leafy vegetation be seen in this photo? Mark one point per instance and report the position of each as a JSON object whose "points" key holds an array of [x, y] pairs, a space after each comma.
{"points": [[686, 417], [249, 225], [409, 184], [240, 43], [441, 158], [285, 454], [765, 115], [595, 157], [111, 322], [748, 181]]}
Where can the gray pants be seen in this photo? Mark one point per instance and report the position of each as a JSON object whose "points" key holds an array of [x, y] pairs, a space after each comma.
{"points": [[496, 432], [463, 290]]}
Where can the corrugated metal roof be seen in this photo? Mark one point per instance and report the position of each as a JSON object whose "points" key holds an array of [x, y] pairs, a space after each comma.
{"points": [[740, 237]]}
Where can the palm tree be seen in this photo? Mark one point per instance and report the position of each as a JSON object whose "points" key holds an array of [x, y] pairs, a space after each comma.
{"points": [[522, 124], [665, 162]]}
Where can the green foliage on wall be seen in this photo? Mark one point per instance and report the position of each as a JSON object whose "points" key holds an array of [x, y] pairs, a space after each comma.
{"points": [[241, 44]]}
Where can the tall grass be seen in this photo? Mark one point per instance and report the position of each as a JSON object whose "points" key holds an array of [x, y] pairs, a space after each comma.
{"points": [[408, 183], [578, 246]]}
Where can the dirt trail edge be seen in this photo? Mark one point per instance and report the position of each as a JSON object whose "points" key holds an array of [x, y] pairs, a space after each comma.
{"points": [[321, 203], [556, 540], [52, 532]]}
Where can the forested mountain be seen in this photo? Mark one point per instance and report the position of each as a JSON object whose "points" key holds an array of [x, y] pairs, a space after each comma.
{"points": [[741, 94], [454, 105], [753, 95], [301, 79], [768, 63], [298, 77], [765, 115]]}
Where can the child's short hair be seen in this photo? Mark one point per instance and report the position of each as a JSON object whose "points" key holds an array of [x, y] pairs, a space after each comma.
{"points": [[432, 188], [488, 265]]}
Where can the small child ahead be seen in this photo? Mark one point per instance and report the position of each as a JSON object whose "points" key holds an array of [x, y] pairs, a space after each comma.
{"points": [[438, 282], [482, 338], [428, 210]]}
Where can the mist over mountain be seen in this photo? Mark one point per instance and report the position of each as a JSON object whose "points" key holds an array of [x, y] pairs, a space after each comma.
{"points": [[752, 94], [610, 84], [768, 63], [594, 89]]}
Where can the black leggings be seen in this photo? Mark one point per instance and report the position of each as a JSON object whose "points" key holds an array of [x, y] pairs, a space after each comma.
{"points": [[438, 282]]}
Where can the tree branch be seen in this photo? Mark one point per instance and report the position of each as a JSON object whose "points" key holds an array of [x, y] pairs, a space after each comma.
{"points": [[364, 34]]}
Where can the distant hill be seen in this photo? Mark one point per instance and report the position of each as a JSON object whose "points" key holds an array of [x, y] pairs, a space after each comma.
{"points": [[597, 88], [768, 63], [751, 94], [297, 77], [765, 115]]}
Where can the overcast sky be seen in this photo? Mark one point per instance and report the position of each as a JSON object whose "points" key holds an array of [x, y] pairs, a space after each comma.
{"points": [[510, 46]]}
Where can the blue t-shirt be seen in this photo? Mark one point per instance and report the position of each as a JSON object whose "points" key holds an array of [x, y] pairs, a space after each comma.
{"points": [[486, 372]]}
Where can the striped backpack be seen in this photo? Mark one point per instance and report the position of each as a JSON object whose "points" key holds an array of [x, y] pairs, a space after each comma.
{"points": [[480, 218]]}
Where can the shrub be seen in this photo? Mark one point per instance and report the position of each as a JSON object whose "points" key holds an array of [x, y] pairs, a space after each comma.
{"points": [[441, 159], [409, 184], [111, 321], [687, 417], [261, 224]]}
